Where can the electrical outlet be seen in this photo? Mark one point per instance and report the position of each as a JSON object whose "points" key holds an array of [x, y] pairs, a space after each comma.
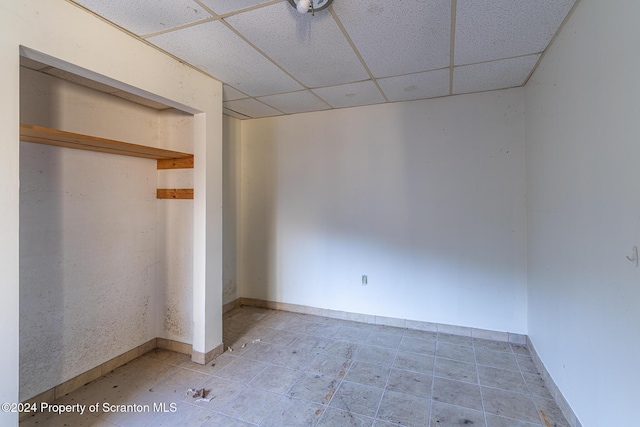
{"points": [[364, 280]]}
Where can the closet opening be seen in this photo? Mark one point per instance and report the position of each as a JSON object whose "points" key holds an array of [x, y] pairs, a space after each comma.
{"points": [[106, 228]]}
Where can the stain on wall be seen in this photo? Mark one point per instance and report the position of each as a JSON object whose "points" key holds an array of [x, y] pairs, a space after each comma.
{"points": [[175, 246], [231, 140], [91, 282], [229, 291]]}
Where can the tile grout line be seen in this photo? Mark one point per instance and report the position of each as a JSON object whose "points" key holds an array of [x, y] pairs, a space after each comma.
{"points": [[484, 411], [386, 384], [248, 327], [530, 394], [509, 350], [433, 380]]}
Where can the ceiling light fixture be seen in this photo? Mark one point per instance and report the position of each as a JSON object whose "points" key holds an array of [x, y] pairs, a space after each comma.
{"points": [[304, 6]]}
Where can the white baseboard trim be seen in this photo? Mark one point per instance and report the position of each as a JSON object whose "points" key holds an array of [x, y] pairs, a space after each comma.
{"points": [[84, 378], [387, 321], [568, 412], [428, 326]]}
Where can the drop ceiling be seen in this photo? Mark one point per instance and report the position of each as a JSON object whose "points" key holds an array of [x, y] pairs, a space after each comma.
{"points": [[275, 61]]}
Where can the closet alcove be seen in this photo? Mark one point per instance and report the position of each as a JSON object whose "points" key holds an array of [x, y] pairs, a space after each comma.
{"points": [[106, 227]]}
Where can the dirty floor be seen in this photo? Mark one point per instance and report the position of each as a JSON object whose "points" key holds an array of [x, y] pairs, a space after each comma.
{"points": [[288, 369]]}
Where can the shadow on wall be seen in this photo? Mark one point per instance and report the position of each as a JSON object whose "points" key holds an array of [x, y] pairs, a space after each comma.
{"points": [[230, 207], [258, 215], [42, 268], [422, 201], [87, 240], [42, 308]]}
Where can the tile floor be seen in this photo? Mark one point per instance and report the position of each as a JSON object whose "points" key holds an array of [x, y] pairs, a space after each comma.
{"points": [[289, 369]]}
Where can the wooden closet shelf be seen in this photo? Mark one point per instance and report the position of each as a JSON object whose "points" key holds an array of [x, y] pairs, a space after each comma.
{"points": [[174, 193], [43, 135], [185, 163]]}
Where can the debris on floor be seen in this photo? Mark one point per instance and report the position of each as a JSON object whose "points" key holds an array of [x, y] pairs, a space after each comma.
{"points": [[229, 349], [196, 393], [199, 394], [545, 419], [255, 341]]}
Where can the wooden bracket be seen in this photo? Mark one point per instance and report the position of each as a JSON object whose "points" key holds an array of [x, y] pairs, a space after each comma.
{"points": [[166, 159], [184, 163], [174, 193]]}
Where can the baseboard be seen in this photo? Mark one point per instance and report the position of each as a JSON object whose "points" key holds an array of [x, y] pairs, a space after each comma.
{"points": [[553, 388], [389, 321], [184, 348], [177, 346], [92, 374], [231, 305], [204, 358], [80, 380], [433, 327]]}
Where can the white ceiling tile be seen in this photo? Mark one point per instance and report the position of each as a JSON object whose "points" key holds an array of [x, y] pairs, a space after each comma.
{"points": [[405, 44], [218, 51], [147, 16], [225, 6], [311, 48], [496, 29], [295, 102], [493, 75], [82, 81], [233, 114], [416, 86], [351, 94], [251, 108], [399, 37], [231, 94]]}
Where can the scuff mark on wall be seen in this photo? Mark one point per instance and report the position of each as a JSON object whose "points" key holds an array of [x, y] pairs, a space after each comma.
{"points": [[229, 291], [90, 267], [174, 323]]}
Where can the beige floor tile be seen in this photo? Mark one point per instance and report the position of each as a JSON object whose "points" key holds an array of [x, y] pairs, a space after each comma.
{"points": [[291, 369]]}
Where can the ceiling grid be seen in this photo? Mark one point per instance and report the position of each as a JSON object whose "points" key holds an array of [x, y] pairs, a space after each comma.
{"points": [[452, 52], [273, 60]]}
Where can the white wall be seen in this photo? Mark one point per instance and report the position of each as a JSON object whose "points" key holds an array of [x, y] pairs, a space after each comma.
{"points": [[58, 33], [583, 210], [9, 218], [88, 237], [175, 229], [426, 198], [231, 167]]}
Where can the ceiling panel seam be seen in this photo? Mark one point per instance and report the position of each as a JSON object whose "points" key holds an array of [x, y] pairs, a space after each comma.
{"points": [[320, 98], [267, 57], [248, 9], [553, 39], [355, 50], [494, 43], [180, 27], [452, 41], [148, 43], [506, 58], [270, 106]]}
